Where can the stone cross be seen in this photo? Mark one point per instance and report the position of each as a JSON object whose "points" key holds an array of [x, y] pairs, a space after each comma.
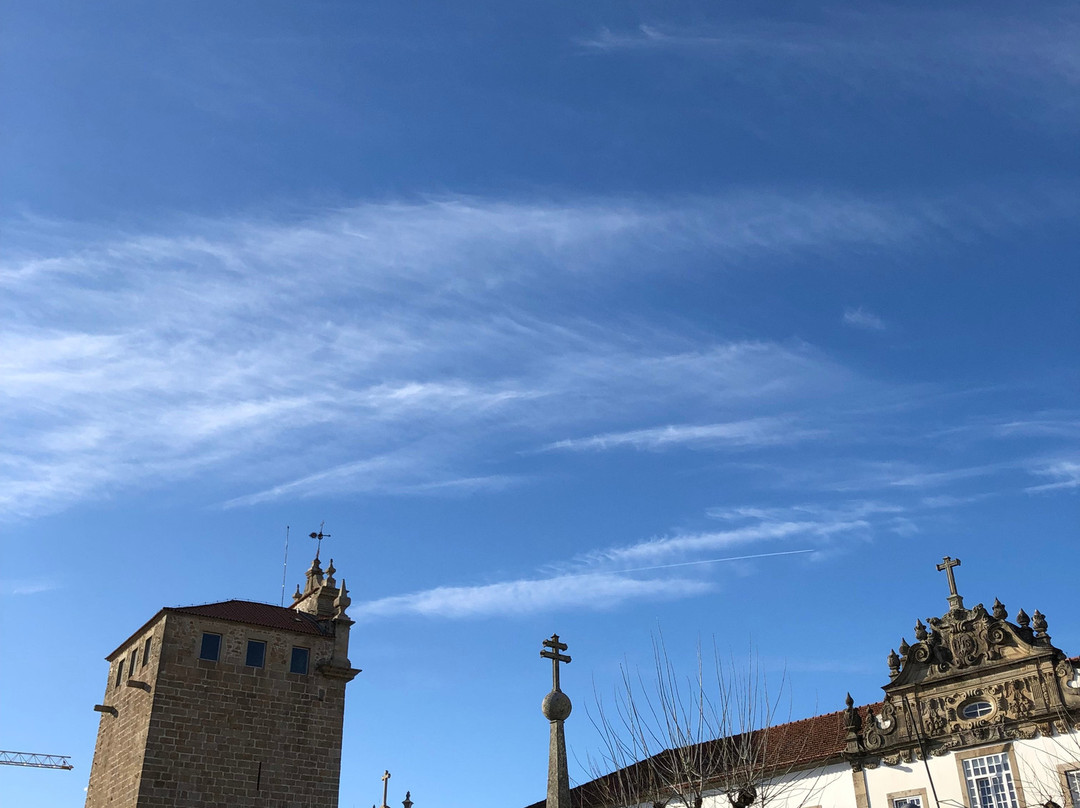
{"points": [[385, 777], [946, 566], [318, 547], [555, 657], [556, 709]]}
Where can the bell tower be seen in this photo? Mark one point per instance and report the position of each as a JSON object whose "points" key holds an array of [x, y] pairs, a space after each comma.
{"points": [[233, 703]]}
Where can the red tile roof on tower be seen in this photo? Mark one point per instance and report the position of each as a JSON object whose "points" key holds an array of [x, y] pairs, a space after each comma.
{"points": [[257, 614], [240, 611]]}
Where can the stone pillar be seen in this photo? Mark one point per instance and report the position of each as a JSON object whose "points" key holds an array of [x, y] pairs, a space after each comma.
{"points": [[556, 708], [558, 782]]}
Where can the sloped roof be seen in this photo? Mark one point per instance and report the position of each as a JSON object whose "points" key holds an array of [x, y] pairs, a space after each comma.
{"points": [[257, 614], [240, 611], [795, 745]]}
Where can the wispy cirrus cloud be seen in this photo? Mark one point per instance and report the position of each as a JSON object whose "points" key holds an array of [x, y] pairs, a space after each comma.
{"points": [[751, 432], [1029, 60], [666, 547], [599, 582], [680, 565], [861, 318], [21, 587], [599, 591], [1064, 475], [239, 347]]}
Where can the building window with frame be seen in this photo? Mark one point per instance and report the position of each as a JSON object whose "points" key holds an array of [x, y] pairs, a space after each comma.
{"points": [[989, 781], [976, 709], [256, 654], [146, 652], [1070, 783], [913, 798], [119, 673], [298, 663], [131, 663], [211, 647]]}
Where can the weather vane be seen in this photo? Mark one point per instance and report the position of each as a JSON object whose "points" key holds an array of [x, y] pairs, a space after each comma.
{"points": [[319, 537]]}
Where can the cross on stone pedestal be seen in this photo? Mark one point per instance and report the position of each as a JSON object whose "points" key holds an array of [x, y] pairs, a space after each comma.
{"points": [[385, 783], [556, 709], [555, 657], [946, 566]]}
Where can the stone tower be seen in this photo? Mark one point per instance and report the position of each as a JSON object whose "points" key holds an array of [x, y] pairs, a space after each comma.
{"points": [[228, 704]]}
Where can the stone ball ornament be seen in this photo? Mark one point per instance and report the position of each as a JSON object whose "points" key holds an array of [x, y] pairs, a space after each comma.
{"points": [[556, 706]]}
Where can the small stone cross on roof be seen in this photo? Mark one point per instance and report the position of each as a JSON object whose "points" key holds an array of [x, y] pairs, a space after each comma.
{"points": [[555, 657], [946, 566]]}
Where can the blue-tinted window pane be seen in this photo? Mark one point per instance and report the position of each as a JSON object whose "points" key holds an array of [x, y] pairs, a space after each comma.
{"points": [[299, 661], [211, 647], [977, 709], [256, 654]]}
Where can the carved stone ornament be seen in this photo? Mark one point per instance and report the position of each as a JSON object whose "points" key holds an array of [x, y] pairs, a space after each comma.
{"points": [[962, 639], [971, 678]]}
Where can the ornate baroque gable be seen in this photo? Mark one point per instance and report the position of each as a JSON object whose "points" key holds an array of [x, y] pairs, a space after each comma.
{"points": [[970, 677]]}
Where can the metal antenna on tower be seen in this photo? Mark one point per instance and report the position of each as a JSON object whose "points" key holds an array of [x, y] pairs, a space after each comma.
{"points": [[285, 566]]}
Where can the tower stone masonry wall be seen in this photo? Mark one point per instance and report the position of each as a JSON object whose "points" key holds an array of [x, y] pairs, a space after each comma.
{"points": [[224, 734], [118, 753], [221, 733]]}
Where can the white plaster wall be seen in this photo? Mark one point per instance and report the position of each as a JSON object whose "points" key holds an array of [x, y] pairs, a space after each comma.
{"points": [[1036, 771], [827, 786], [1038, 761]]}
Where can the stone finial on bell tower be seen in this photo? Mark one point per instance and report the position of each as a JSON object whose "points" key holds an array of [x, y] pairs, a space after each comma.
{"points": [[320, 589], [314, 577]]}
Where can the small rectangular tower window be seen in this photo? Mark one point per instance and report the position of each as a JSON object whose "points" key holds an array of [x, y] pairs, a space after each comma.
{"points": [[146, 652], [256, 654], [211, 647], [119, 673], [131, 664], [299, 661]]}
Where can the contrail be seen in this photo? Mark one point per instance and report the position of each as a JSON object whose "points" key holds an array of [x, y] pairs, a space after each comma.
{"points": [[689, 563]]}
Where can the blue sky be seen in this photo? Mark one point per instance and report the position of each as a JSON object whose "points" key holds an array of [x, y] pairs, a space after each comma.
{"points": [[537, 306]]}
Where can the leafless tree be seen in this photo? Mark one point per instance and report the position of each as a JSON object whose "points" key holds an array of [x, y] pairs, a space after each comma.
{"points": [[668, 740]]}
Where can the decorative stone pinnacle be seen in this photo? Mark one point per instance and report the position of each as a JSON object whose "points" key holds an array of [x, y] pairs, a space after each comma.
{"points": [[999, 610], [342, 602], [852, 721], [894, 664], [407, 802], [1022, 619], [920, 631], [1038, 622], [904, 648]]}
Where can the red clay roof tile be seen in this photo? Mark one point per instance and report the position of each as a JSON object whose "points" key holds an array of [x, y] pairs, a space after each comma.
{"points": [[257, 614]]}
